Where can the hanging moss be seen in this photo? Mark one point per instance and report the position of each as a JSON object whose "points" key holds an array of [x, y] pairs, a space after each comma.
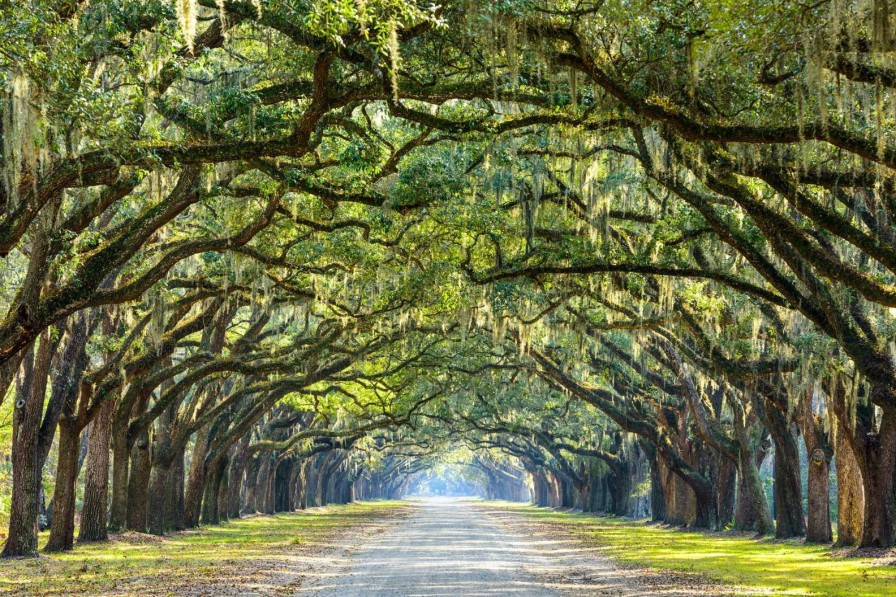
{"points": [[186, 18]]}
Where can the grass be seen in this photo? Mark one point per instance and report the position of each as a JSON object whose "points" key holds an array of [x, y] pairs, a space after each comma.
{"points": [[142, 564], [756, 565]]}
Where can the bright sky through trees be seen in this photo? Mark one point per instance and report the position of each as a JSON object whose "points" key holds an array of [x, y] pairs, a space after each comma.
{"points": [[623, 256]]}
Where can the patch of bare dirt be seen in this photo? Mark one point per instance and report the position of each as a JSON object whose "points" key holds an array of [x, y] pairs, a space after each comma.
{"points": [[882, 556], [135, 537]]}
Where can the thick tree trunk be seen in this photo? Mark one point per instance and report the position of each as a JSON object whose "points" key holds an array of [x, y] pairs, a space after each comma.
{"points": [[789, 518], [878, 479], [850, 492], [306, 472], [282, 489], [62, 529], [96, 479], [162, 459], [121, 458], [707, 511], [295, 474], [248, 496], [657, 501], [235, 477], [174, 503], [157, 496], [132, 404], [27, 411], [261, 483], [726, 492], [138, 484], [223, 489], [196, 482], [299, 494], [211, 491], [818, 527], [680, 506], [753, 512], [620, 484], [818, 448]]}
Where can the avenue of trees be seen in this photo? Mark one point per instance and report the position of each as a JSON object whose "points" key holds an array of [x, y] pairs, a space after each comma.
{"points": [[616, 255]]}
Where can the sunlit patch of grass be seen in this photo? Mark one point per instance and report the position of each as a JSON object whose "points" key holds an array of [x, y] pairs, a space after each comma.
{"points": [[136, 564], [757, 565]]}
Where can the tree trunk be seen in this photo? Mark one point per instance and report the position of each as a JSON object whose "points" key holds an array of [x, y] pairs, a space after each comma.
{"points": [[196, 482], [818, 527], [726, 493], [878, 479], [850, 493], [211, 491], [62, 529], [162, 458], [96, 478], [818, 448], [753, 512], [235, 483], [707, 511], [138, 484], [789, 518], [174, 503], [620, 483], [261, 483], [223, 487], [121, 459], [248, 496], [657, 501], [22, 539], [157, 496]]}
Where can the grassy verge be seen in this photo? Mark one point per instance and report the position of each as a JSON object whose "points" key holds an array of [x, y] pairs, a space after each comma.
{"points": [[756, 565], [223, 555]]}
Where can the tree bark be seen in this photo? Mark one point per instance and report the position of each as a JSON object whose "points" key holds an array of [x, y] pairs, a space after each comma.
{"points": [[878, 478], [789, 518], [96, 479], [138, 484], [62, 530], [235, 477], [818, 448], [211, 491], [121, 459], [196, 482], [753, 512], [157, 496], [850, 492], [223, 488], [818, 527], [174, 504], [22, 538], [160, 474]]}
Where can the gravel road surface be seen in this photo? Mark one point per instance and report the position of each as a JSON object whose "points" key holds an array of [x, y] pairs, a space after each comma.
{"points": [[452, 547]]}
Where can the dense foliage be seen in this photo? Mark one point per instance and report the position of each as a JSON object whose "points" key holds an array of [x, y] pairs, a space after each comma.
{"points": [[612, 254]]}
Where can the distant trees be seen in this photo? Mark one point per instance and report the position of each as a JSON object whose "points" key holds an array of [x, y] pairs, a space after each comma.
{"points": [[259, 256]]}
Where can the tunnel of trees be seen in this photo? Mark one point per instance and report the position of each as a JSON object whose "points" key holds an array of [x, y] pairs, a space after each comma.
{"points": [[619, 255]]}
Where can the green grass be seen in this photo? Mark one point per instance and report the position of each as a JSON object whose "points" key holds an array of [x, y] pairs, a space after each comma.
{"points": [[140, 564], [756, 565]]}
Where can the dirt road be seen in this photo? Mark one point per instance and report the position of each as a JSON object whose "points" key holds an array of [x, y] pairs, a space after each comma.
{"points": [[454, 547]]}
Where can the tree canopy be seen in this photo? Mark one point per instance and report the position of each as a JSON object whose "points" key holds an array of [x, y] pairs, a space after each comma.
{"points": [[609, 254]]}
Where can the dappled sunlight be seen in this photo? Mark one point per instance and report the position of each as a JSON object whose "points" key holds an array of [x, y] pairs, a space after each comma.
{"points": [[260, 552], [754, 565], [450, 547]]}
